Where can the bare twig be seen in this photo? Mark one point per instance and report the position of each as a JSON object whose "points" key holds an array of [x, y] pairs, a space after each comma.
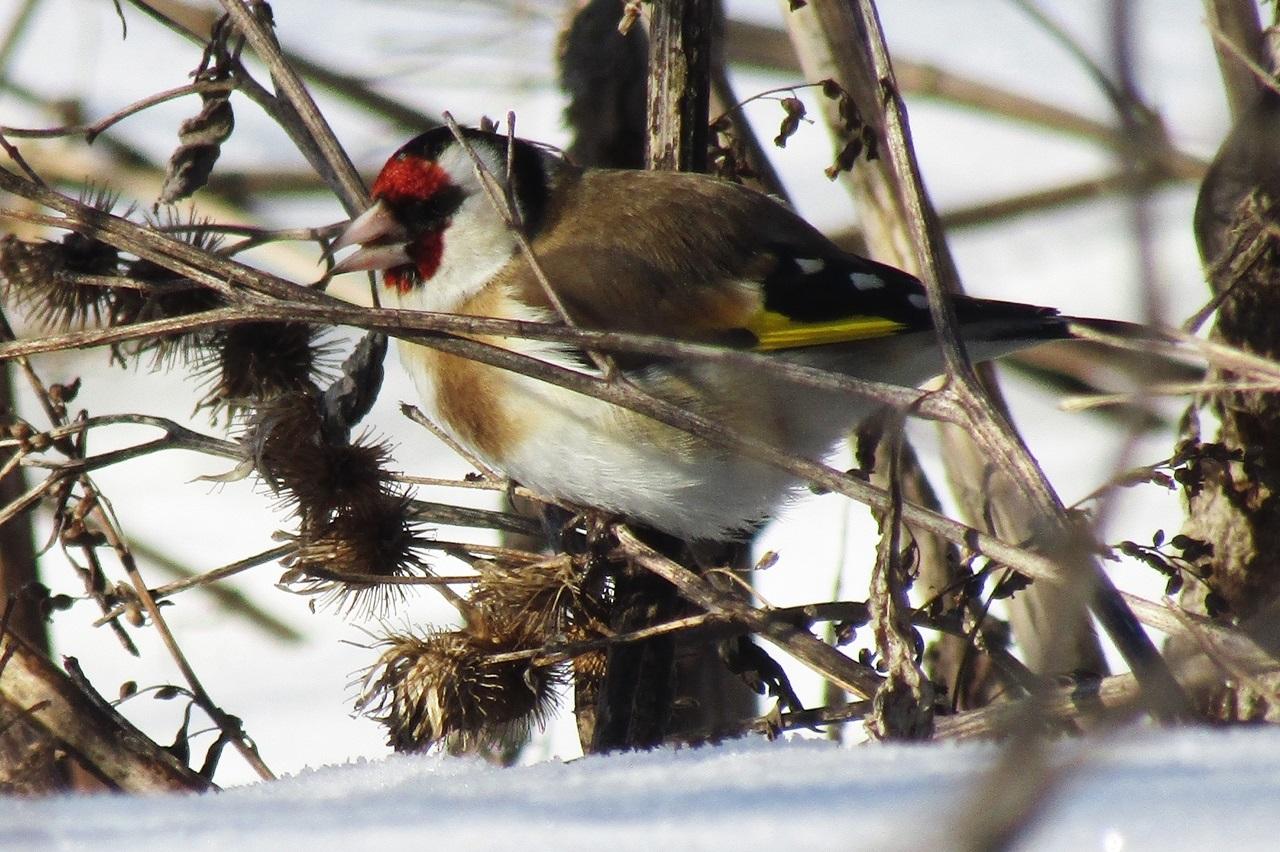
{"points": [[227, 724], [491, 476], [505, 206], [159, 593], [1083, 402], [1114, 91], [1248, 55], [90, 131], [801, 644], [721, 624], [14, 31], [988, 426], [318, 142], [78, 720], [462, 516]]}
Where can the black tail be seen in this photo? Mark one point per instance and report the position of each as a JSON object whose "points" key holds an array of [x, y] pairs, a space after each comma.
{"points": [[1082, 326], [993, 320]]}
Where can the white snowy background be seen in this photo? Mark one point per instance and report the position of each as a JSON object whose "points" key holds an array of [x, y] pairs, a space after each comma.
{"points": [[1191, 790], [1133, 791]]}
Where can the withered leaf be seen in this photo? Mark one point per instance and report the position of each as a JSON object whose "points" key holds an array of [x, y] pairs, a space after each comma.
{"points": [[845, 159], [200, 143], [352, 394]]}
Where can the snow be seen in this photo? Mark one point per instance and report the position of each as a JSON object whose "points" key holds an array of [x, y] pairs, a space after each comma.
{"points": [[1136, 790]]}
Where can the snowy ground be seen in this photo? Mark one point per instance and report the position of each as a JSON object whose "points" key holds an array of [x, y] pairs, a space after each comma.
{"points": [[1193, 789]]}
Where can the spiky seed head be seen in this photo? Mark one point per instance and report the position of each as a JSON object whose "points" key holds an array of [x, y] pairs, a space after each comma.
{"points": [[538, 601], [440, 687], [315, 473], [593, 663], [337, 558], [162, 294], [312, 471], [249, 362], [45, 278]]}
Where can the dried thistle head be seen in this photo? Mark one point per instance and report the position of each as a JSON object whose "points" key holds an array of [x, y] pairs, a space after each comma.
{"points": [[250, 362], [592, 664], [343, 558], [318, 474], [162, 294], [51, 279], [537, 601], [47, 279], [440, 687]]}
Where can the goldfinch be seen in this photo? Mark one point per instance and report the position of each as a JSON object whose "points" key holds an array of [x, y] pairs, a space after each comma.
{"points": [[681, 255]]}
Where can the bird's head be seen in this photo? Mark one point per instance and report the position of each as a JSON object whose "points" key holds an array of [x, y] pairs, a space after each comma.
{"points": [[431, 208]]}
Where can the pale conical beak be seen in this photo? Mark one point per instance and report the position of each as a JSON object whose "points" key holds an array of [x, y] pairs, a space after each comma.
{"points": [[381, 239]]}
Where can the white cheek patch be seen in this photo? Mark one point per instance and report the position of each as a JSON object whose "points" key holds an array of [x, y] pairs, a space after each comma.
{"points": [[810, 266], [918, 300], [461, 168], [866, 281]]}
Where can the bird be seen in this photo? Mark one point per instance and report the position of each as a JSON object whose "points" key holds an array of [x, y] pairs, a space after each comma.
{"points": [[676, 254]]}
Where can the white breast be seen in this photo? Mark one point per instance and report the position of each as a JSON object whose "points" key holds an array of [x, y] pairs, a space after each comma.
{"points": [[591, 453]]}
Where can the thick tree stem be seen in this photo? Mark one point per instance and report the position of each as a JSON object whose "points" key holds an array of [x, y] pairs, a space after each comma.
{"points": [[679, 84], [25, 756]]}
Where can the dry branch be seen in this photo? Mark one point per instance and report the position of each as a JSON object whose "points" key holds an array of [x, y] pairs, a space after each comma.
{"points": [[104, 741], [804, 646], [992, 430]]}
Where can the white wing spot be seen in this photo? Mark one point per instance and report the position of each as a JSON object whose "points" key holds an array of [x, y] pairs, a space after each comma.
{"points": [[810, 266], [866, 281], [919, 300]]}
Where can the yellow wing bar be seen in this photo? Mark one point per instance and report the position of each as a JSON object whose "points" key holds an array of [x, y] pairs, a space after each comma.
{"points": [[778, 331]]}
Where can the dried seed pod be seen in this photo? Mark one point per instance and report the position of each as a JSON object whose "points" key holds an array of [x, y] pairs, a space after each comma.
{"points": [[441, 687], [795, 113], [352, 394], [535, 602], [343, 558], [47, 278], [250, 362], [165, 294], [845, 158], [200, 138], [298, 459]]}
